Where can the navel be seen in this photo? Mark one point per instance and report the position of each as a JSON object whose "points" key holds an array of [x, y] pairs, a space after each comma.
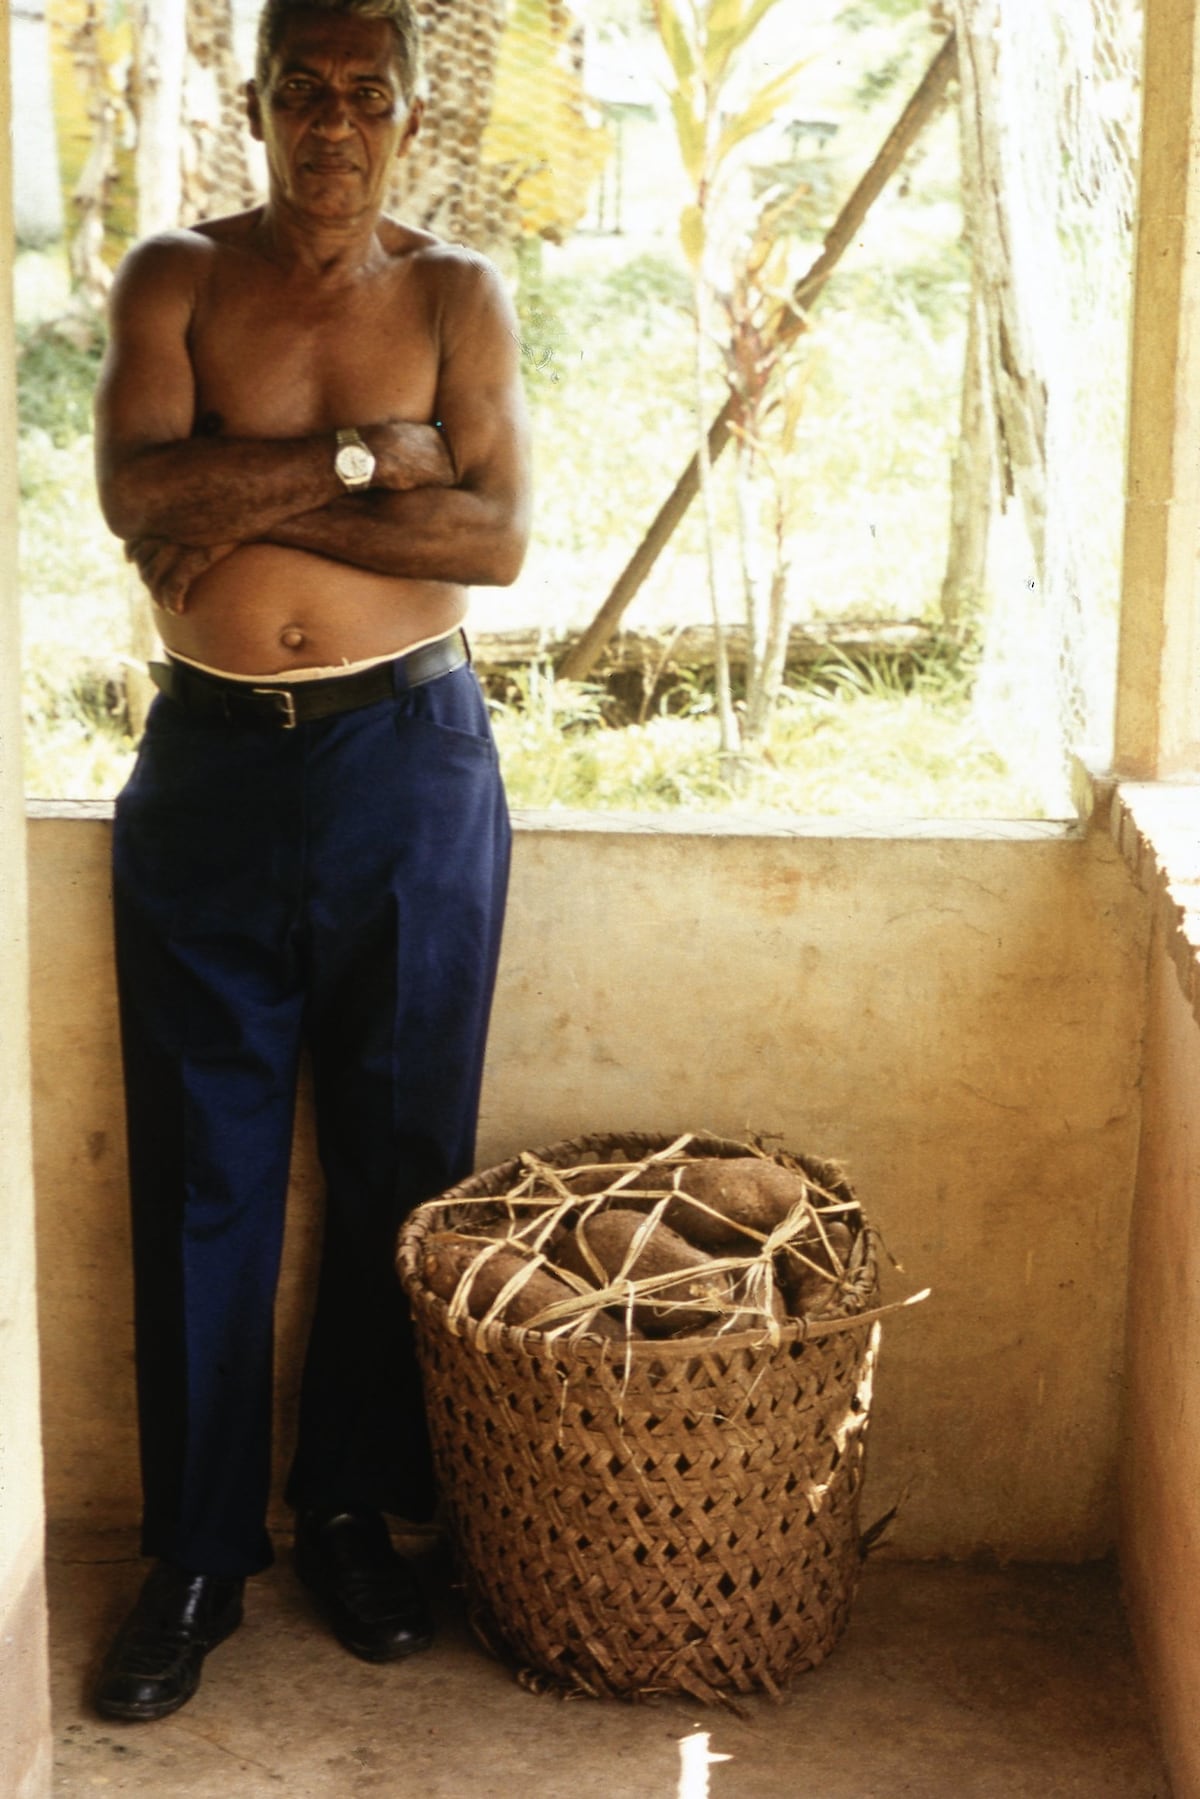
{"points": [[292, 638]]}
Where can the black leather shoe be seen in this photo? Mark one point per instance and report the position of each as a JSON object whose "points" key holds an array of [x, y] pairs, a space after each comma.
{"points": [[367, 1592], [154, 1664]]}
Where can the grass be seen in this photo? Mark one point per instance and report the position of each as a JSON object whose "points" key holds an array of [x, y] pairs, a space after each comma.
{"points": [[55, 382], [855, 744], [76, 623], [851, 742]]}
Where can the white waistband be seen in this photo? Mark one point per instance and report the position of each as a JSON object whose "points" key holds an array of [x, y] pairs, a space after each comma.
{"points": [[294, 677]]}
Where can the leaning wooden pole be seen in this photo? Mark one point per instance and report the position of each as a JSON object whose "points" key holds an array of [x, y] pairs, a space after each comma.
{"points": [[585, 652]]}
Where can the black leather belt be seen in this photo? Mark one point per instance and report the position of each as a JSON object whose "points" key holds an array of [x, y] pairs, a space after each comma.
{"points": [[284, 707]]}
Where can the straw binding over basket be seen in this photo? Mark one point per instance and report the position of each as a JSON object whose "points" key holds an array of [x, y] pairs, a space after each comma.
{"points": [[668, 1516]]}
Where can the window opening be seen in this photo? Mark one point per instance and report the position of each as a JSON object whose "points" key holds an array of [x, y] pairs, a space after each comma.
{"points": [[913, 685]]}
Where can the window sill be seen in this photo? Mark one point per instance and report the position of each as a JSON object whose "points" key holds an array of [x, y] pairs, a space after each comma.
{"points": [[564, 821]]}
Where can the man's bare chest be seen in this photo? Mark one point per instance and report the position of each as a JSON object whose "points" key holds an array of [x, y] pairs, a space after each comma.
{"points": [[271, 361]]}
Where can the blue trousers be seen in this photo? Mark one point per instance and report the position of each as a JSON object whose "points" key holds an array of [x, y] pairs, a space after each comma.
{"points": [[341, 884]]}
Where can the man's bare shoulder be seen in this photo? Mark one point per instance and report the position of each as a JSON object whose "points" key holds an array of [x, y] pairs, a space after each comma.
{"points": [[173, 265], [452, 267], [187, 249]]}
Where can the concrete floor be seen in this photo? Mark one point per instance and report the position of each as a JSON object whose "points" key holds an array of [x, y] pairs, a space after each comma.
{"points": [[950, 1683]]}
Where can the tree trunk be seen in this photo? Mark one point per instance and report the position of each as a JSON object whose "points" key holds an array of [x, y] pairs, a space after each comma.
{"points": [[90, 274], [762, 695], [155, 93], [970, 480], [1017, 384], [726, 721]]}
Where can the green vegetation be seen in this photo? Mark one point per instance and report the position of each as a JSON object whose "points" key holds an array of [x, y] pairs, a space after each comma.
{"points": [[55, 383], [609, 355], [849, 743]]}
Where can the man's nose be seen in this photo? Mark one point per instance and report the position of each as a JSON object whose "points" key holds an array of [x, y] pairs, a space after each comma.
{"points": [[333, 114]]}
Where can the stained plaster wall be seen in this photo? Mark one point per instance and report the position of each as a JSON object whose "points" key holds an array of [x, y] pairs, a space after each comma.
{"points": [[956, 1016], [1160, 1535], [1160, 1462]]}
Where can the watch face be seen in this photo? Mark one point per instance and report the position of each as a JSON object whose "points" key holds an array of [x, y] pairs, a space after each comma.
{"points": [[354, 462]]}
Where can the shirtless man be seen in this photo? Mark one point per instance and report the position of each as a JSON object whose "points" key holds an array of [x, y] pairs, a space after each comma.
{"points": [[311, 437]]}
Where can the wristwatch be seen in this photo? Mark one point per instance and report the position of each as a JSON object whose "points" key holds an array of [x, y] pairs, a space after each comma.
{"points": [[353, 463]]}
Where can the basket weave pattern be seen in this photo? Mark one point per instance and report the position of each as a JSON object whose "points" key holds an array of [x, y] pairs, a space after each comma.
{"points": [[680, 1516]]}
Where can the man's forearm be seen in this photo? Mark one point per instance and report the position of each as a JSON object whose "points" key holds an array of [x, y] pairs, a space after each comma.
{"points": [[429, 534], [200, 491]]}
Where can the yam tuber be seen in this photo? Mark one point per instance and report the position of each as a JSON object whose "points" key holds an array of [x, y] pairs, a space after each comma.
{"points": [[809, 1290], [448, 1257], [600, 1250], [747, 1191]]}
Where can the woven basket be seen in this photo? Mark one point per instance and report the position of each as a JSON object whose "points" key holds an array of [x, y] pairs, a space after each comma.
{"points": [[674, 1516]]}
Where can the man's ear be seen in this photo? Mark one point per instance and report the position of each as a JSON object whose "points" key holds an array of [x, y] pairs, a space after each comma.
{"points": [[416, 113], [254, 111]]}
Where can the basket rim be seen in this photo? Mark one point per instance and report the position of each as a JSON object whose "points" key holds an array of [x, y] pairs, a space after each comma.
{"points": [[598, 1352], [587, 1351]]}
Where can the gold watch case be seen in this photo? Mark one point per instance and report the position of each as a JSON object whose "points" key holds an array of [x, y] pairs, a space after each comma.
{"points": [[353, 463]]}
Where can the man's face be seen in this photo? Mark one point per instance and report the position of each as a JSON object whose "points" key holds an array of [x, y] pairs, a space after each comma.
{"points": [[332, 115]]}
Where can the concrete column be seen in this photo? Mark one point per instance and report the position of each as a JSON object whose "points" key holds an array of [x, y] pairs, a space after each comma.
{"points": [[24, 1689], [1158, 684]]}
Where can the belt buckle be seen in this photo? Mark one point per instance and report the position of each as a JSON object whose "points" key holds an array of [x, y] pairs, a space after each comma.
{"points": [[286, 700]]}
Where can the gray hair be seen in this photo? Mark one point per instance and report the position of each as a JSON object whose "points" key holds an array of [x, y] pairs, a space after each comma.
{"points": [[400, 15]]}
